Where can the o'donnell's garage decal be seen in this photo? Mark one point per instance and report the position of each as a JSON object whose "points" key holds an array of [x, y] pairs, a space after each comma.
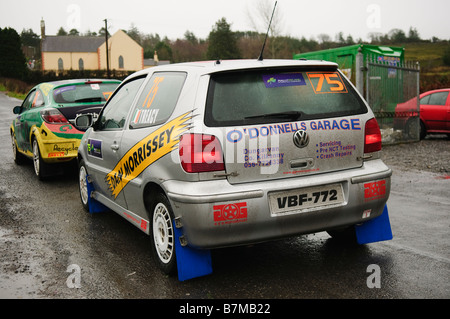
{"points": [[146, 152]]}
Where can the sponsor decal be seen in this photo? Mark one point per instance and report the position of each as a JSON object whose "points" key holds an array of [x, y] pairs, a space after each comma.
{"points": [[283, 80], [94, 148], [61, 90], [375, 190], [144, 224], [140, 222], [230, 213], [46, 88], [366, 213], [147, 151], [56, 154], [65, 148]]}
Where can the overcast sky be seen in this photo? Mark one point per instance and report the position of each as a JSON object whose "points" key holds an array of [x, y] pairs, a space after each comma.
{"points": [[172, 18]]}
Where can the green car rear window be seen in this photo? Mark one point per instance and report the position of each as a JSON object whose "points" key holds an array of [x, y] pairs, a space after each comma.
{"points": [[84, 93], [269, 96]]}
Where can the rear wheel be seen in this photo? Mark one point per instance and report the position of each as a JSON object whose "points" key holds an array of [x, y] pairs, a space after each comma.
{"points": [[162, 234], [19, 158], [40, 167]]}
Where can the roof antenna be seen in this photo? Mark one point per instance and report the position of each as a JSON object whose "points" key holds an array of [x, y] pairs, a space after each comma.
{"points": [[270, 23]]}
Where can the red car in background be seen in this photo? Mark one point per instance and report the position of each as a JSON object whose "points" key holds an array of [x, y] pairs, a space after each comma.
{"points": [[434, 114]]}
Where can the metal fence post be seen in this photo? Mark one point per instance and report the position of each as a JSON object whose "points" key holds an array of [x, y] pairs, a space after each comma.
{"points": [[418, 87], [367, 79], [360, 71]]}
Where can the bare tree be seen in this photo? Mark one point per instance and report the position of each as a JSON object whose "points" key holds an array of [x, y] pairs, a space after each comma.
{"points": [[259, 17]]}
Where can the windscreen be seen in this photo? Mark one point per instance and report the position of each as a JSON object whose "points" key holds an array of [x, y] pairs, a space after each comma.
{"points": [[269, 96], [84, 93]]}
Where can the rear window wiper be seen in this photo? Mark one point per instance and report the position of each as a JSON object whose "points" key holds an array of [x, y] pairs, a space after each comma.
{"points": [[293, 115], [89, 99]]}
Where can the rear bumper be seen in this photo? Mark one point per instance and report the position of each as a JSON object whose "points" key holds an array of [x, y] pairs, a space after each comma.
{"points": [[196, 206], [59, 150], [57, 142]]}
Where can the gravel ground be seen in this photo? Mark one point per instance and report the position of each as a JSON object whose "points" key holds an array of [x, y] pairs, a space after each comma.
{"points": [[431, 154]]}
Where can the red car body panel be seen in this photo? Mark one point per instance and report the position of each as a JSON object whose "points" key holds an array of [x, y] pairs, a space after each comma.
{"points": [[434, 112]]}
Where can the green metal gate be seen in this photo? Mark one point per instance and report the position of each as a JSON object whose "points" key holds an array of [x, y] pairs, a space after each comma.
{"points": [[387, 86], [385, 80]]}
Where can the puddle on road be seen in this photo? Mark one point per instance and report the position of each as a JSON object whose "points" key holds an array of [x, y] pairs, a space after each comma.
{"points": [[16, 279], [18, 286]]}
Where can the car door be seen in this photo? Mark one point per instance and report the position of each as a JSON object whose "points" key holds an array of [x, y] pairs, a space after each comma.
{"points": [[28, 117], [152, 133], [434, 111], [447, 116], [103, 143]]}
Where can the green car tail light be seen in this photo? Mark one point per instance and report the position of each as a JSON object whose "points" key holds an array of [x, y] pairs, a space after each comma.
{"points": [[53, 116]]}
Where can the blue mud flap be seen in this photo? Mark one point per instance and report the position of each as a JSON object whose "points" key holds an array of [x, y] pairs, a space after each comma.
{"points": [[191, 263], [377, 229], [94, 206]]}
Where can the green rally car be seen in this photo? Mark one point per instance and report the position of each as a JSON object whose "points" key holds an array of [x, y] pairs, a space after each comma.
{"points": [[43, 129]]}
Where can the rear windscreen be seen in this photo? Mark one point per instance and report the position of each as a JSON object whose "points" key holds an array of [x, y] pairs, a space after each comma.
{"points": [[269, 96], [84, 93]]}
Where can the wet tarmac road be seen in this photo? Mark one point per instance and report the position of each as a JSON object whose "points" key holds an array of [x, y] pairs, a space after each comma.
{"points": [[44, 232]]}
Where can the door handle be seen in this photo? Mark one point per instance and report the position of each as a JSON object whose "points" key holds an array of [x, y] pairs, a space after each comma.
{"points": [[115, 147], [302, 163]]}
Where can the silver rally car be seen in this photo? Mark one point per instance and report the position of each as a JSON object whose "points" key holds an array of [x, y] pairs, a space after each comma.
{"points": [[235, 152]]}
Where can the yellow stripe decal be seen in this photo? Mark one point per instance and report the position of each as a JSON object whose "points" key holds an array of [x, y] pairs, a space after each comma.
{"points": [[147, 151]]}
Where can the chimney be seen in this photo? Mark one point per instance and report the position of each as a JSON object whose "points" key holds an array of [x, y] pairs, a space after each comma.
{"points": [[42, 29], [155, 58]]}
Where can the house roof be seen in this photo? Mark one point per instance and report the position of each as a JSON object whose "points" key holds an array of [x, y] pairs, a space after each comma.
{"points": [[71, 44], [152, 62]]}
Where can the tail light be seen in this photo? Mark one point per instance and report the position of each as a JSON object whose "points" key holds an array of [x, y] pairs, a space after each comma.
{"points": [[372, 142], [53, 116], [200, 153]]}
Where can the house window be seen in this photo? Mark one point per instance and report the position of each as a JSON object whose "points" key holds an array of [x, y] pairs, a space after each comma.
{"points": [[60, 65], [121, 62], [81, 64]]}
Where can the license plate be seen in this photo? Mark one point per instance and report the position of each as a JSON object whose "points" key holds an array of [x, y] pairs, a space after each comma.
{"points": [[306, 199]]}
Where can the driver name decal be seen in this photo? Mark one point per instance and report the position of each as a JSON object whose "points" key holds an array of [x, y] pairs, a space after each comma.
{"points": [[146, 152]]}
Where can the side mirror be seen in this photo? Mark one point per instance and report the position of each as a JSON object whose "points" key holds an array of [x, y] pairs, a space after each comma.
{"points": [[17, 110], [84, 121]]}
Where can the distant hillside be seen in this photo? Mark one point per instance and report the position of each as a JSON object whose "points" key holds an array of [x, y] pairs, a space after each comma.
{"points": [[434, 74]]}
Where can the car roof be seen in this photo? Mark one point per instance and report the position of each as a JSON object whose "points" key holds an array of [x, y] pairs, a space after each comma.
{"points": [[75, 81], [209, 67]]}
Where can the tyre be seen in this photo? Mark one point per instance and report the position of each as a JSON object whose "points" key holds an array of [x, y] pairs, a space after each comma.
{"points": [[423, 131], [40, 167], [162, 234], [19, 158], [413, 128], [83, 187]]}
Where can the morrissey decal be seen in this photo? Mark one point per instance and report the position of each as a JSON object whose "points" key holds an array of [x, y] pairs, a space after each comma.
{"points": [[146, 152]]}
